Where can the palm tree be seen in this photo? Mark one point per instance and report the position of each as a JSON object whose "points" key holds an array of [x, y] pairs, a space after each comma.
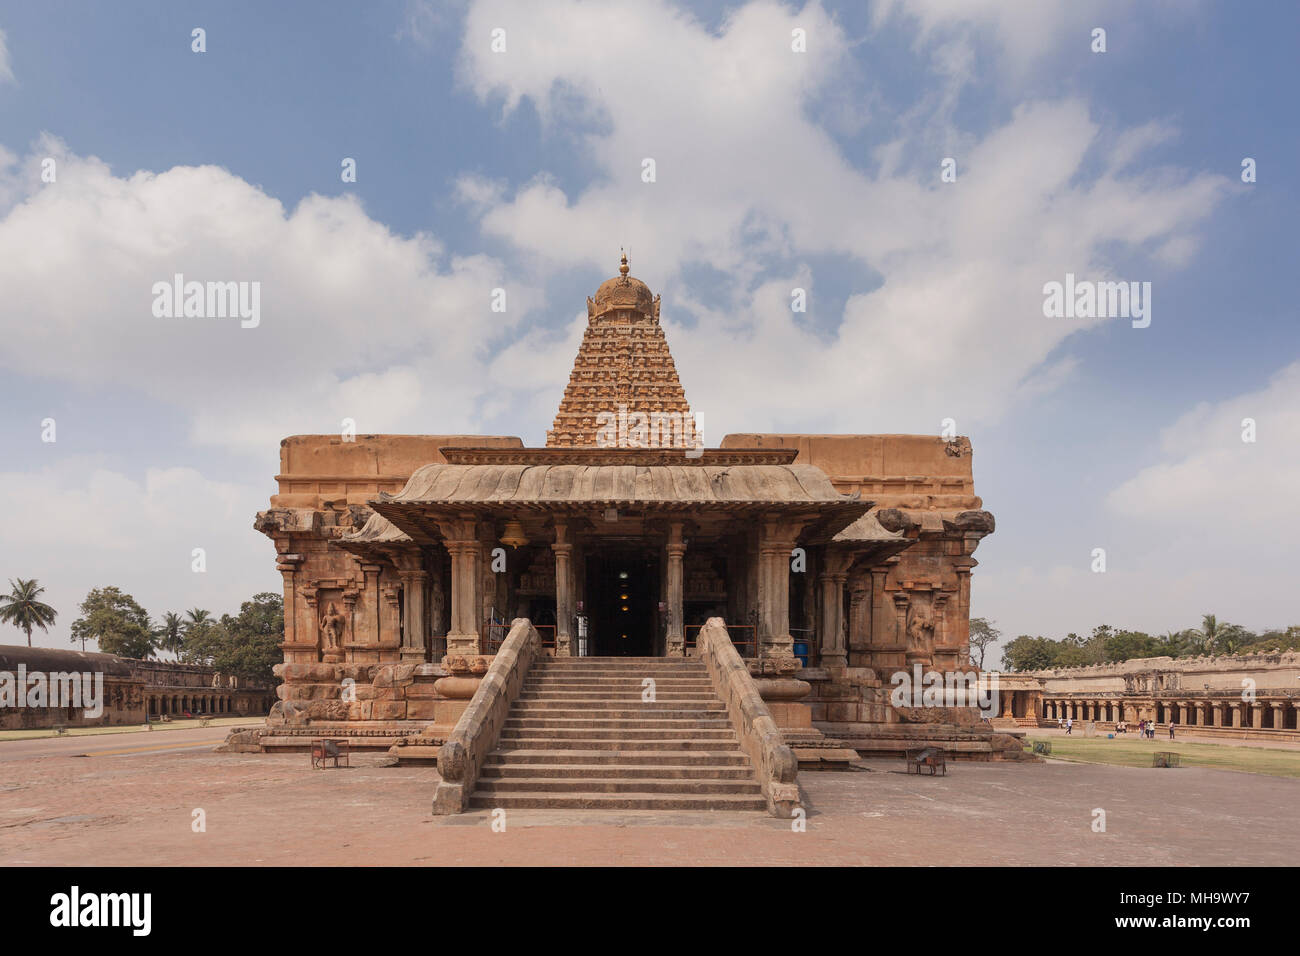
{"points": [[197, 622], [1218, 637], [171, 636], [21, 609]]}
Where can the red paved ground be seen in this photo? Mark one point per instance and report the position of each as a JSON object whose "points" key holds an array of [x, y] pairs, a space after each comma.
{"points": [[135, 809]]}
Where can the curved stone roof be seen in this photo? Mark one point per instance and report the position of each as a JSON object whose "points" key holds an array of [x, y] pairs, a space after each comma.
{"points": [[49, 659], [377, 530], [867, 529], [607, 484]]}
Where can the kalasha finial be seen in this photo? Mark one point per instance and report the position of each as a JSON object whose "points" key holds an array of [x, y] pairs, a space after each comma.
{"points": [[622, 269]]}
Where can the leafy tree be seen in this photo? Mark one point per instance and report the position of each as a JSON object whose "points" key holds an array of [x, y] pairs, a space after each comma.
{"points": [[114, 620], [21, 608], [171, 634], [247, 644], [1275, 639], [1220, 637], [1126, 645], [1027, 653], [982, 635], [1071, 655], [198, 626]]}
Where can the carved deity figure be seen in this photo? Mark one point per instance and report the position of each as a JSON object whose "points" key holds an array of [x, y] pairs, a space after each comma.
{"points": [[920, 627], [331, 627]]}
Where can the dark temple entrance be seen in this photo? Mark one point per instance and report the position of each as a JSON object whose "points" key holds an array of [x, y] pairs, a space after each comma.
{"points": [[622, 605]]}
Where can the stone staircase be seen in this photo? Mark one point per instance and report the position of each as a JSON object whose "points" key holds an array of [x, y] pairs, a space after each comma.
{"points": [[580, 737]]}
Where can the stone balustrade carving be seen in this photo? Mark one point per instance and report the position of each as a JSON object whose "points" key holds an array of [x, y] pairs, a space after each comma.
{"points": [[476, 733], [759, 736]]}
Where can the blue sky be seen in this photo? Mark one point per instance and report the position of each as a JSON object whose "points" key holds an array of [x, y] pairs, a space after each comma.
{"points": [[775, 169]]}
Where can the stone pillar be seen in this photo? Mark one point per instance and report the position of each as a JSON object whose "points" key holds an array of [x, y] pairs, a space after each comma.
{"points": [[1279, 715], [675, 549], [835, 565], [366, 625], [414, 582], [1257, 715], [1216, 719], [859, 622], [1236, 714], [565, 605], [1182, 712], [466, 557], [776, 539], [287, 565]]}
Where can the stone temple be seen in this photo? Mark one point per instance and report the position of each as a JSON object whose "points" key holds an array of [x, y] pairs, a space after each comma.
{"points": [[830, 561]]}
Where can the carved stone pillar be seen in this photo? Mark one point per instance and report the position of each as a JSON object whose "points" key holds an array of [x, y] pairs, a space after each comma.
{"points": [[835, 564], [1257, 716], [1236, 714], [776, 539], [366, 627], [565, 602], [675, 549], [414, 583], [859, 623], [1217, 718], [466, 553]]}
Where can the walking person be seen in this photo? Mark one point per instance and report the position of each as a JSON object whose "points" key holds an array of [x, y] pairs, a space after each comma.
{"points": [[1069, 725]]}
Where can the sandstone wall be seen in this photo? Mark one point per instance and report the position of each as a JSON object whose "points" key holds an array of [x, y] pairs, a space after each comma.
{"points": [[1277, 671]]}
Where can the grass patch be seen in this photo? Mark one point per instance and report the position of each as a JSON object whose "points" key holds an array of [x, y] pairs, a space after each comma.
{"points": [[180, 724], [1139, 753]]}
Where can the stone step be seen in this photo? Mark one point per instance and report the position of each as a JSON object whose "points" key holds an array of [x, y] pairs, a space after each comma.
{"points": [[579, 736], [616, 801], [619, 662], [626, 712], [613, 759], [620, 673], [582, 680], [616, 664], [622, 743], [660, 771], [620, 733], [615, 785], [617, 723], [620, 696]]}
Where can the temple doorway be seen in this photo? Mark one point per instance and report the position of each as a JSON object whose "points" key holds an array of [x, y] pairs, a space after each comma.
{"points": [[622, 605]]}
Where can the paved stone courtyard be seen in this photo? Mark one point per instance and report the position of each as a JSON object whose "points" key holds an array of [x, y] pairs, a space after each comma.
{"points": [[132, 808]]}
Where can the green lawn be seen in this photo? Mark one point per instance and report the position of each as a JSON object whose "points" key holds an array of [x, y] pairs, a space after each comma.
{"points": [[1138, 753], [178, 724]]}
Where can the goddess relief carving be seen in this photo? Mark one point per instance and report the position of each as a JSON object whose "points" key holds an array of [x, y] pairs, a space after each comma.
{"points": [[332, 624], [919, 628]]}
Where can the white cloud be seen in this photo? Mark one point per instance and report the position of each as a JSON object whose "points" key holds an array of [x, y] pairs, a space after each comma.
{"points": [[6, 71], [1214, 487], [1024, 34], [744, 175], [82, 525], [355, 321], [1206, 529]]}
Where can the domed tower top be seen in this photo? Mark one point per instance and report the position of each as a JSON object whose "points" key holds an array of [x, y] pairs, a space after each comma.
{"points": [[623, 365], [623, 292]]}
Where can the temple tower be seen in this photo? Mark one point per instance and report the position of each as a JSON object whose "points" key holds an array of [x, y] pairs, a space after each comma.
{"points": [[623, 361]]}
